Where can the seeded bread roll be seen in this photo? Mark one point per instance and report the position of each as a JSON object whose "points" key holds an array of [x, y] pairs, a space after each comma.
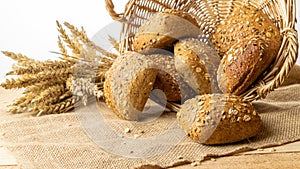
{"points": [[198, 63], [219, 119], [169, 81], [243, 22], [128, 84], [242, 65], [247, 47], [163, 29]]}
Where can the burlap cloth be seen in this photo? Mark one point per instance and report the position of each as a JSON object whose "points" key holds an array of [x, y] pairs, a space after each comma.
{"points": [[74, 140]]}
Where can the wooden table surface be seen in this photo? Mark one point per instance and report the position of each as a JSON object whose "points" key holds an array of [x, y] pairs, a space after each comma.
{"points": [[257, 161], [281, 157]]}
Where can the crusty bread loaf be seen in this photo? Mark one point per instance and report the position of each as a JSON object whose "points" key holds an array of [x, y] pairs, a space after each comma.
{"points": [[248, 43], [243, 22], [219, 119], [163, 29], [198, 63], [128, 84], [242, 65], [169, 81]]}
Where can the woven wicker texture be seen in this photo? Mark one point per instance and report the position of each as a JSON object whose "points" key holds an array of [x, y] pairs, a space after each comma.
{"points": [[209, 13]]}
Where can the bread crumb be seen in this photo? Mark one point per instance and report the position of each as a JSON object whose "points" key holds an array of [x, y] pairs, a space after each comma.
{"points": [[272, 150], [196, 163], [127, 130], [136, 136], [213, 159]]}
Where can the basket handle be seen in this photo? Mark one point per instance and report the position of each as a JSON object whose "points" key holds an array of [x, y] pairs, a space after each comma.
{"points": [[114, 15]]}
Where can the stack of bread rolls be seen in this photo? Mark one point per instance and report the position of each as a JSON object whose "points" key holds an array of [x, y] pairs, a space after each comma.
{"points": [[205, 76]]}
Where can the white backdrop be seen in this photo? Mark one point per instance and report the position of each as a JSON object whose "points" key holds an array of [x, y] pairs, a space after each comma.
{"points": [[28, 26]]}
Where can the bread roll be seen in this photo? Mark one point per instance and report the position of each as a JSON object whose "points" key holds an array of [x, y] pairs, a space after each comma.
{"points": [[128, 84], [242, 65], [198, 63], [163, 29], [243, 22], [218, 119], [248, 42], [169, 81]]}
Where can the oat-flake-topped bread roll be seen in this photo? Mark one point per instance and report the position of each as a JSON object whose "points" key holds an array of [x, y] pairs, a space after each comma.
{"points": [[163, 29], [243, 22], [219, 119], [169, 81], [128, 84], [248, 43], [198, 63], [242, 65]]}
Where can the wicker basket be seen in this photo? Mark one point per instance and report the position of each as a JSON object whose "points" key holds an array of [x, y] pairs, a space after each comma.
{"points": [[210, 13]]}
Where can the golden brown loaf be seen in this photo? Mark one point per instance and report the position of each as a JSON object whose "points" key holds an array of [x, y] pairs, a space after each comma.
{"points": [[128, 84], [243, 22], [219, 119], [198, 64], [247, 47], [163, 29], [168, 79], [242, 65]]}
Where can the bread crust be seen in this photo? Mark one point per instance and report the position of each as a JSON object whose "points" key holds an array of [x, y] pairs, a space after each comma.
{"points": [[169, 80], [128, 84], [163, 29], [219, 119], [246, 21], [247, 48], [198, 63], [242, 65]]}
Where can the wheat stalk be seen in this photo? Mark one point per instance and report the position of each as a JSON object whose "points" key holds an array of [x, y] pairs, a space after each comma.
{"points": [[39, 87], [62, 48], [52, 91], [59, 86], [75, 47], [30, 79], [38, 66], [57, 108], [83, 37], [21, 59], [114, 42]]}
